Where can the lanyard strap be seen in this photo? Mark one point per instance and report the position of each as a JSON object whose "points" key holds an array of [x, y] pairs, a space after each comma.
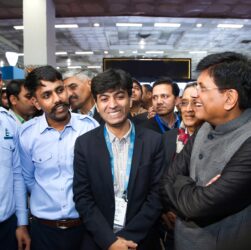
{"points": [[130, 153]]}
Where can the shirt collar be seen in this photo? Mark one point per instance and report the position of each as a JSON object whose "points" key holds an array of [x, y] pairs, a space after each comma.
{"points": [[18, 117], [175, 125], [126, 137], [44, 124]]}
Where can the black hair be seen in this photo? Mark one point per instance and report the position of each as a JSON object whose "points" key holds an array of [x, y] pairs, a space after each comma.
{"points": [[168, 81], [43, 73], [230, 70], [111, 79], [14, 88], [148, 87], [138, 83]]}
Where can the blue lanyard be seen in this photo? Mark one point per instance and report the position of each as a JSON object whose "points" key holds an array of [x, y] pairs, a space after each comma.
{"points": [[130, 153]]}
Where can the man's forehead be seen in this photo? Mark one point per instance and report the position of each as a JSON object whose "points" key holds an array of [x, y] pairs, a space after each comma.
{"points": [[162, 89]]}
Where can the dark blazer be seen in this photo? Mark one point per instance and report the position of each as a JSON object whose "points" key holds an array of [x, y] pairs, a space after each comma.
{"points": [[169, 139], [94, 193], [153, 125], [97, 117]]}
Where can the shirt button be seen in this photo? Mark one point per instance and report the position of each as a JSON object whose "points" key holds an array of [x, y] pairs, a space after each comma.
{"points": [[200, 156]]}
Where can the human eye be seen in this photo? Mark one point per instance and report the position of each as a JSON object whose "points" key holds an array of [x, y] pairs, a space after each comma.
{"points": [[60, 90], [164, 96], [46, 95], [155, 97], [184, 103]]}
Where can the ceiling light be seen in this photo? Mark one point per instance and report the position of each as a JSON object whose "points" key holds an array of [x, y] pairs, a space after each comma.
{"points": [[94, 67], [105, 52], [198, 25], [20, 54], [61, 53], [154, 52], [96, 24], [135, 52], [1, 63], [57, 67], [198, 52], [170, 25], [229, 26], [63, 26], [18, 27], [129, 24], [84, 52], [57, 26], [74, 67], [121, 52]]}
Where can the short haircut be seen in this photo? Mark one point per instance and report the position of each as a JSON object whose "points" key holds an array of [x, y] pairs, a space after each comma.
{"points": [[44, 73], [138, 83], [83, 74], [230, 70], [190, 84], [14, 88], [168, 81], [111, 79]]}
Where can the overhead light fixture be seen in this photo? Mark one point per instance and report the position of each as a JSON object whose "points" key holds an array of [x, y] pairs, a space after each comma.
{"points": [[20, 54], [198, 52], [135, 52], [18, 27], [169, 25], [1, 63], [84, 53], [129, 24], [94, 67], [229, 26], [154, 52], [66, 26], [57, 26], [61, 53], [74, 67], [57, 67], [96, 24], [106, 52], [199, 25], [121, 52]]}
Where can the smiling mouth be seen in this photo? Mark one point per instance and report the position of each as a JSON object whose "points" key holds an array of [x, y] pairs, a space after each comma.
{"points": [[198, 104]]}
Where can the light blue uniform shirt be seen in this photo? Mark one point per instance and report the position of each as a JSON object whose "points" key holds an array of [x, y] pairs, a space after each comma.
{"points": [[12, 188], [47, 161]]}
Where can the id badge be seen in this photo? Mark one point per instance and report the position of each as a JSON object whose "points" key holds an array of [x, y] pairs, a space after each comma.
{"points": [[120, 211]]}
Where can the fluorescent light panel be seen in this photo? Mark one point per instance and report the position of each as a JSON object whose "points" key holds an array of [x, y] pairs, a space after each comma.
{"points": [[57, 26], [229, 26], [61, 53], [129, 24], [84, 53], [94, 67], [154, 52], [74, 67], [198, 52], [170, 25]]}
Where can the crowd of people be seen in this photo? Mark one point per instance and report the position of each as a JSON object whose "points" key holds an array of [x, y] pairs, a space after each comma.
{"points": [[91, 162]]}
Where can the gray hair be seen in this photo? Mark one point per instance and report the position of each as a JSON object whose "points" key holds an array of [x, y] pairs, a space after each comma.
{"points": [[82, 74]]}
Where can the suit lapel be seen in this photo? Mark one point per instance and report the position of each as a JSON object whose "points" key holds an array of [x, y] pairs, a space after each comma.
{"points": [[137, 150], [104, 160]]}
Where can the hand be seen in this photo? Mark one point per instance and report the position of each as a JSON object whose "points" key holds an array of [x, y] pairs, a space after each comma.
{"points": [[169, 219], [151, 113], [123, 244], [23, 238], [213, 180]]}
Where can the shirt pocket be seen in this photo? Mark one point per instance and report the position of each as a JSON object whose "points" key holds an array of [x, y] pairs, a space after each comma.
{"points": [[43, 164], [6, 154]]}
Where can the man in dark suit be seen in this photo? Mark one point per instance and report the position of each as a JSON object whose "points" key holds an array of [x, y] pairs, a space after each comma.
{"points": [[117, 168]]}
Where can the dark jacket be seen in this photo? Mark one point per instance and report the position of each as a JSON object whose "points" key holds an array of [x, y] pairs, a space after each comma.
{"points": [[94, 193]]}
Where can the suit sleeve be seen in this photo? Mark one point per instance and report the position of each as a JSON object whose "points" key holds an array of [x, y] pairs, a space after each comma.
{"points": [[228, 195], [93, 219], [140, 225]]}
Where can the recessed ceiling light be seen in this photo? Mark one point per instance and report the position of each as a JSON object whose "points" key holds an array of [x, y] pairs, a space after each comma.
{"points": [[96, 24], [199, 25], [121, 52], [135, 52], [74, 67], [94, 67], [170, 25], [63, 26], [18, 27], [106, 52], [84, 52], [154, 52], [129, 24], [229, 26], [61, 53]]}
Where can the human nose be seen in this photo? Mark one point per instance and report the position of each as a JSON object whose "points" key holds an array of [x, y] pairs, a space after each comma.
{"points": [[195, 93], [112, 103]]}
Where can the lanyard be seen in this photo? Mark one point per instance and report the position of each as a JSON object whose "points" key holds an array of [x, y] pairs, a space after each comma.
{"points": [[130, 153]]}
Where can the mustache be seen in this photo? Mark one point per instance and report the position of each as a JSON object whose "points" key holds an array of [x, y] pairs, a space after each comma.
{"points": [[72, 97], [65, 104]]}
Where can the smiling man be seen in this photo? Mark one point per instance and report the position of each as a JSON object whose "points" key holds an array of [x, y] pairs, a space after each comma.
{"points": [[208, 185], [116, 172], [46, 150]]}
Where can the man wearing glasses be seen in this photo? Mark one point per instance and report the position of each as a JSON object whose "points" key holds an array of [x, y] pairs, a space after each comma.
{"points": [[208, 183]]}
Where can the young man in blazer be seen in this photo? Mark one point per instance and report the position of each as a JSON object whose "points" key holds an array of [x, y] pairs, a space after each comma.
{"points": [[117, 168]]}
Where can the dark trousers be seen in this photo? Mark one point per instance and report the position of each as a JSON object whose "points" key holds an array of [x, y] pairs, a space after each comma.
{"points": [[44, 237], [8, 234]]}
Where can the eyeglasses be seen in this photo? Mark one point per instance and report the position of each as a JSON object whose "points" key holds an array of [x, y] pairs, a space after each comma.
{"points": [[186, 103], [204, 89]]}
